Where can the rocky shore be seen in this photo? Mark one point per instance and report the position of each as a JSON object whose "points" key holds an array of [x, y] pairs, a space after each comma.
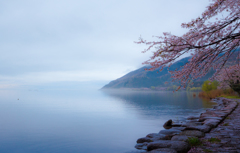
{"points": [[214, 125]]}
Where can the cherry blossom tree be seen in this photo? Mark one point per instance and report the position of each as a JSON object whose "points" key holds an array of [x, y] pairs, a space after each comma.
{"points": [[210, 44], [230, 77]]}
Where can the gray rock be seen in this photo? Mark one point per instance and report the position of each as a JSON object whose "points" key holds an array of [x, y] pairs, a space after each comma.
{"points": [[220, 113], [176, 124], [181, 138], [191, 124], [198, 123], [215, 145], [217, 107], [194, 122], [231, 106], [227, 111], [179, 146], [178, 128], [168, 123], [205, 118], [211, 122], [209, 114], [203, 128], [192, 118], [170, 132], [159, 144], [157, 136], [144, 139], [151, 135], [142, 146], [228, 134], [163, 150], [194, 133]]}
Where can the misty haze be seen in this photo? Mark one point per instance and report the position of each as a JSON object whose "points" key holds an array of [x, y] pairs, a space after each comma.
{"points": [[72, 78]]}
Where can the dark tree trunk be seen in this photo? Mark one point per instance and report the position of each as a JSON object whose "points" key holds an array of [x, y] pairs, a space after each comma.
{"points": [[235, 86]]}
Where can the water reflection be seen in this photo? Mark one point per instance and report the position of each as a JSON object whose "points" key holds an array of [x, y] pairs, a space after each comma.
{"points": [[154, 104]]}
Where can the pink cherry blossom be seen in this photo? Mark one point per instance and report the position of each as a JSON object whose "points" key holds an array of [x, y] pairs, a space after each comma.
{"points": [[230, 77], [211, 44]]}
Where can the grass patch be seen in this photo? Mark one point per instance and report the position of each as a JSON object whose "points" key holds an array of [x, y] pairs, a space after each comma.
{"points": [[193, 141], [225, 124], [211, 94], [227, 93], [230, 97], [214, 140]]}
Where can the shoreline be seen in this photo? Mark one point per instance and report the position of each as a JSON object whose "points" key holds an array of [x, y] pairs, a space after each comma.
{"points": [[174, 139]]}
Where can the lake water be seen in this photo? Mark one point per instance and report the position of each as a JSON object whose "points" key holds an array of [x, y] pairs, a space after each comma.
{"points": [[77, 121]]}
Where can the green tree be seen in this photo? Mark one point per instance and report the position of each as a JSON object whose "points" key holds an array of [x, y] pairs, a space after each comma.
{"points": [[153, 88], [195, 89], [208, 85]]}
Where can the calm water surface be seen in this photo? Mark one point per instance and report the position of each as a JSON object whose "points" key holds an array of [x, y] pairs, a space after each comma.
{"points": [[60, 121]]}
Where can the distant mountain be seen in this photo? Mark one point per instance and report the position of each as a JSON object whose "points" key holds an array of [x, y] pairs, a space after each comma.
{"points": [[142, 78]]}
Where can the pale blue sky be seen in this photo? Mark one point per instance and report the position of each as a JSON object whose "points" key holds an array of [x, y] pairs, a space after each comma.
{"points": [[51, 41]]}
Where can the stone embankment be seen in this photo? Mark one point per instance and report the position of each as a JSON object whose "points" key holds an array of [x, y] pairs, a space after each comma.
{"points": [[175, 139]]}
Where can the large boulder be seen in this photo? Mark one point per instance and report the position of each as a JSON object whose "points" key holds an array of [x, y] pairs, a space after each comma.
{"points": [[211, 122], [178, 128], [168, 124], [181, 138], [209, 114], [203, 128], [191, 124], [194, 133], [179, 146], [142, 146], [157, 136], [153, 137], [192, 117], [170, 132], [221, 113], [144, 139], [201, 119], [219, 107]]}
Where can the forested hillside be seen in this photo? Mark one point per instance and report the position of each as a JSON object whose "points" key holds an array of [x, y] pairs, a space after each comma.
{"points": [[142, 78]]}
